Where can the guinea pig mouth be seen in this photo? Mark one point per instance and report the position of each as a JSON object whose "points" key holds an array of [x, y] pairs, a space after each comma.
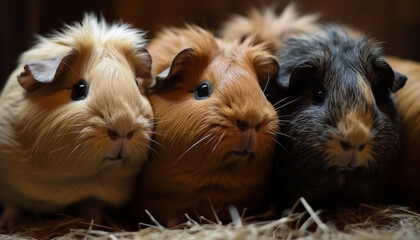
{"points": [[119, 157], [243, 153]]}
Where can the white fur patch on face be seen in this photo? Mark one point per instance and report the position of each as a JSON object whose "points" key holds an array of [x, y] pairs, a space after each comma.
{"points": [[349, 147]]}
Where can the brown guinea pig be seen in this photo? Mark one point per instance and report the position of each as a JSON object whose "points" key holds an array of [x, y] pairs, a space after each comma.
{"points": [[407, 177], [215, 130], [74, 124]]}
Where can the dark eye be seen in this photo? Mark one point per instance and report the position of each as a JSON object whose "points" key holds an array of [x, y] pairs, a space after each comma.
{"points": [[319, 97], [203, 90], [80, 90]]}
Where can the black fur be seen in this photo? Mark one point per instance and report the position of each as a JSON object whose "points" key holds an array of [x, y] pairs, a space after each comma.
{"points": [[318, 77]]}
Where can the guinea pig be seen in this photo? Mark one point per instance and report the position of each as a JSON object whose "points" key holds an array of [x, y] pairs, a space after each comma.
{"points": [[340, 129], [215, 129], [74, 122], [268, 27], [406, 179]]}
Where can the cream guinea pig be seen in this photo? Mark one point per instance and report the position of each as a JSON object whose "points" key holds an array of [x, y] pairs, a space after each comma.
{"points": [[215, 129], [74, 124]]}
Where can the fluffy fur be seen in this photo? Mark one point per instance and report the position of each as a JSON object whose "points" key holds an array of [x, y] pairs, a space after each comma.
{"points": [[341, 129], [270, 28], [407, 175], [209, 153], [55, 151]]}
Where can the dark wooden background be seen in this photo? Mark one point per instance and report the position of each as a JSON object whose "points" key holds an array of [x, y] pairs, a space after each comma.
{"points": [[394, 22]]}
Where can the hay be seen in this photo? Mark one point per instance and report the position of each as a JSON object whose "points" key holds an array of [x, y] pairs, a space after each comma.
{"points": [[364, 222]]}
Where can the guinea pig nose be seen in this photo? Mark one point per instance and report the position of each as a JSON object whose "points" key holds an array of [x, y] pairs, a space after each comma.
{"points": [[242, 125], [114, 135], [130, 135]]}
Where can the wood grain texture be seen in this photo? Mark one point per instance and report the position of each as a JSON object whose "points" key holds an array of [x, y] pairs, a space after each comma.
{"points": [[394, 22]]}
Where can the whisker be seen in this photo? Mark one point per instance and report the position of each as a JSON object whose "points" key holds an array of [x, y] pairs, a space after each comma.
{"points": [[78, 125], [71, 69], [161, 121], [280, 133], [208, 141], [272, 149], [218, 142], [79, 145], [282, 147], [82, 153], [282, 121], [282, 106], [60, 148], [155, 132], [153, 150], [195, 144], [282, 100], [266, 85], [156, 142], [285, 135], [65, 133], [285, 116]]}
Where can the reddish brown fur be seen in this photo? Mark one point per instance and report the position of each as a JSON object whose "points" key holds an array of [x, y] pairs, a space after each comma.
{"points": [[176, 181]]}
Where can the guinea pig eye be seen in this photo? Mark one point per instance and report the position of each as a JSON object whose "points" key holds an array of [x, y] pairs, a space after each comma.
{"points": [[203, 90], [80, 90], [319, 97]]}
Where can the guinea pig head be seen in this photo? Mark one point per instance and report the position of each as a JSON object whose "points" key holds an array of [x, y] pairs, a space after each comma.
{"points": [[210, 109], [346, 117], [85, 113]]}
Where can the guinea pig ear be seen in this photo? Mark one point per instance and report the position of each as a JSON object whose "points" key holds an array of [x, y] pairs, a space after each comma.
{"points": [[394, 80], [182, 59], [43, 71], [144, 69], [399, 81], [266, 68]]}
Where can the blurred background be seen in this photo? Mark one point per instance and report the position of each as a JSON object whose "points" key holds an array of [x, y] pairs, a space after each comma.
{"points": [[396, 23]]}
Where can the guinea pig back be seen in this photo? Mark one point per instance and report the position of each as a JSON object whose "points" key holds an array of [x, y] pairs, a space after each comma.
{"points": [[406, 179], [215, 130], [341, 128], [73, 120], [269, 27]]}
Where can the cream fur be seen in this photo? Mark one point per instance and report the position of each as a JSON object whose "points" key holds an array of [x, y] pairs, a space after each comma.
{"points": [[53, 150]]}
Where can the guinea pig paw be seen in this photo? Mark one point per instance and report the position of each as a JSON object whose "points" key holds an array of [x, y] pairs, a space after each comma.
{"points": [[10, 217]]}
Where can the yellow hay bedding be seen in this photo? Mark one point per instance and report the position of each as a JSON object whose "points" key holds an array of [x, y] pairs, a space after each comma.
{"points": [[364, 222]]}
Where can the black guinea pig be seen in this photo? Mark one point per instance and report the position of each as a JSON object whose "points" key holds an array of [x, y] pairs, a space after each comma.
{"points": [[340, 129]]}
